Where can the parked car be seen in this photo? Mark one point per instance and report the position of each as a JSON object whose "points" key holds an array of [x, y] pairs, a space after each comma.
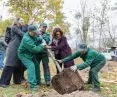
{"points": [[107, 54]]}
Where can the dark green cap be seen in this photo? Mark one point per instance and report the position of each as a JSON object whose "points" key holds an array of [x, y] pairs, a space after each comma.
{"points": [[82, 46], [43, 24], [32, 28]]}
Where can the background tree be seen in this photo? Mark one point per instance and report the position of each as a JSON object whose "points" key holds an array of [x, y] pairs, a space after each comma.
{"points": [[83, 21], [104, 26], [94, 25], [3, 25], [39, 11]]}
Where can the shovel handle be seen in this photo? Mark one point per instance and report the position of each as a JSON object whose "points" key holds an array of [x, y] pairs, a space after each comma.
{"points": [[54, 60]]}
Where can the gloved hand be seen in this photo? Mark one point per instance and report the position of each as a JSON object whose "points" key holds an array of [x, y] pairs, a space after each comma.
{"points": [[48, 47], [43, 43], [59, 61], [73, 68]]}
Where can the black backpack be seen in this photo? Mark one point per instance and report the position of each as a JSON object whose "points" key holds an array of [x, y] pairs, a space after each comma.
{"points": [[8, 35]]}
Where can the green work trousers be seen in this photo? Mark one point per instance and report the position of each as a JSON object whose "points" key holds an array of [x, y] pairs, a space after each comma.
{"points": [[33, 70], [93, 74]]}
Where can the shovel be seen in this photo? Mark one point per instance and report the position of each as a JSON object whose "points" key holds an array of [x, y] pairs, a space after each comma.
{"points": [[54, 60]]}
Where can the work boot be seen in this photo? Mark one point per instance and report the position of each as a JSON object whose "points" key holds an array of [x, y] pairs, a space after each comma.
{"points": [[25, 84], [87, 82], [96, 89], [35, 88], [41, 83]]}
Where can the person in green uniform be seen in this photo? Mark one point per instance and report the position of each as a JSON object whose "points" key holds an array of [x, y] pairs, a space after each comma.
{"points": [[43, 56], [27, 52], [91, 58]]}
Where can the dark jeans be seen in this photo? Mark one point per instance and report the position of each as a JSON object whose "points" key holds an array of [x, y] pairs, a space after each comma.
{"points": [[45, 60], [23, 69], [7, 74]]}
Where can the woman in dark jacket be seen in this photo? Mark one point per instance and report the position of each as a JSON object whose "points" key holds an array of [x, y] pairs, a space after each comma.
{"points": [[12, 62], [60, 47]]}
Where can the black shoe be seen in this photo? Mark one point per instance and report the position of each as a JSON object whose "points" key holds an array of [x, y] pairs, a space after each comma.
{"points": [[96, 89], [4, 86], [22, 81], [48, 83], [17, 83], [88, 82], [38, 84]]}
